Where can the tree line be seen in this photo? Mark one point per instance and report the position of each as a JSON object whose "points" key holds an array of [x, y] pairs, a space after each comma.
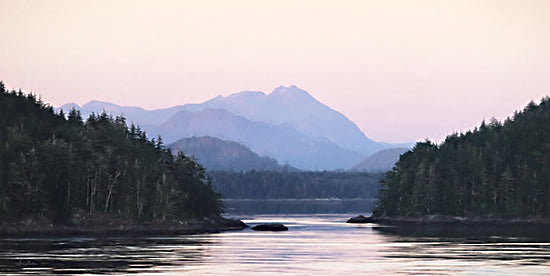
{"points": [[52, 164], [295, 184], [500, 169]]}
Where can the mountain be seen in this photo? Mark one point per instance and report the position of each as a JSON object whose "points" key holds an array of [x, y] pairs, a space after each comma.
{"points": [[281, 142], [297, 108], [287, 124], [380, 161], [217, 154]]}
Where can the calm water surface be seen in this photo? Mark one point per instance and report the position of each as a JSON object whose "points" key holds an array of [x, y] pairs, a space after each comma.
{"points": [[315, 244]]}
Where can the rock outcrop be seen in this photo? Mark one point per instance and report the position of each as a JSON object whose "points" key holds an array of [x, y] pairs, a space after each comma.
{"points": [[270, 227], [360, 219]]}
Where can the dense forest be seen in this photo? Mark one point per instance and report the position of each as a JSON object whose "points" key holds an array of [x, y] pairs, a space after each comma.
{"points": [[499, 169], [54, 164], [295, 185]]}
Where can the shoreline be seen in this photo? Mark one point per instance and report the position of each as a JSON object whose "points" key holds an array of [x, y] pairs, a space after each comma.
{"points": [[456, 220], [42, 228]]}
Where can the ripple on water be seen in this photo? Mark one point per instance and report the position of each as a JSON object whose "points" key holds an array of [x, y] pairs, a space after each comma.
{"points": [[315, 244]]}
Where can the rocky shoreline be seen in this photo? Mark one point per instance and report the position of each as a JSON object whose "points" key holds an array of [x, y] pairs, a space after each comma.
{"points": [[41, 227], [449, 220]]}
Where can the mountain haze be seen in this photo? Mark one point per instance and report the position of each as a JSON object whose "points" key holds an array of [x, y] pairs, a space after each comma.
{"points": [[297, 108], [288, 124], [281, 142], [217, 154], [380, 161], [146, 119]]}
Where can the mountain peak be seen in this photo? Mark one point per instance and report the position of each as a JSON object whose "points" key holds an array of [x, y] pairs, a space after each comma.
{"points": [[69, 106], [290, 92], [98, 105], [285, 89], [247, 94]]}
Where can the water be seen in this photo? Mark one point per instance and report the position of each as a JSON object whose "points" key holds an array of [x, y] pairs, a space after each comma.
{"points": [[299, 206], [315, 244]]}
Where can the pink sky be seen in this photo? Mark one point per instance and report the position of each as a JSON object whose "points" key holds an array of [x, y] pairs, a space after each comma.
{"points": [[401, 70]]}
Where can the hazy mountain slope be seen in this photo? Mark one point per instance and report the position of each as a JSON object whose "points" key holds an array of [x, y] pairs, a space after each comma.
{"points": [[147, 119], [217, 154], [281, 142], [380, 161], [297, 108], [288, 124]]}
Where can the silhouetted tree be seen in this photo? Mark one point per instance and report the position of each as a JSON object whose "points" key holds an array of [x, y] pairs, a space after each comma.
{"points": [[498, 169], [51, 164]]}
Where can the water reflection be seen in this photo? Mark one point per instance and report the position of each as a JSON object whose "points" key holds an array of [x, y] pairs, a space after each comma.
{"points": [[99, 256], [505, 245], [469, 232], [315, 244], [299, 206]]}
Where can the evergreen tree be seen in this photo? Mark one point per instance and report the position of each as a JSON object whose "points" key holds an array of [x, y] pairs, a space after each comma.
{"points": [[498, 169], [52, 164]]}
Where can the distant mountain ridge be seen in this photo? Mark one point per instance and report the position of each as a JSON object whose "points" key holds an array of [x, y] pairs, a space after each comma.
{"points": [[217, 154], [288, 124], [146, 119], [380, 161], [281, 142]]}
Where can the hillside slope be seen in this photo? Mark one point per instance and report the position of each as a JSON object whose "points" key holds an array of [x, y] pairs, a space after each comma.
{"points": [[380, 161], [499, 169], [282, 142], [217, 154]]}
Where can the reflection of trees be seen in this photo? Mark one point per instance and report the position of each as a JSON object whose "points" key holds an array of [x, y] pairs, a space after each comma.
{"points": [[474, 232], [102, 256], [298, 206], [474, 243]]}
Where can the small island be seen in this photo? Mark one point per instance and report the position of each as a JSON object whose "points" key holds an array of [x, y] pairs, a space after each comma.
{"points": [[270, 227], [498, 173], [360, 219]]}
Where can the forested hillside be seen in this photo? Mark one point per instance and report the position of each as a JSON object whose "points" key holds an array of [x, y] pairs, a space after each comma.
{"points": [[500, 169], [295, 185], [217, 154], [52, 165]]}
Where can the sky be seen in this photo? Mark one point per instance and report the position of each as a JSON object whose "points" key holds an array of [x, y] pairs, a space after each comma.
{"points": [[403, 71]]}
